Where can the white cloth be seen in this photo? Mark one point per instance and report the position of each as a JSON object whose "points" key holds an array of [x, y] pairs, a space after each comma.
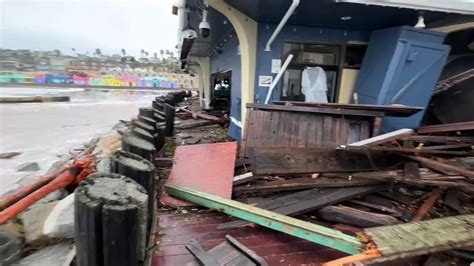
{"points": [[314, 85]]}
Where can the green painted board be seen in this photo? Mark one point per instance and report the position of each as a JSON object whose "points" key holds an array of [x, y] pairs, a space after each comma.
{"points": [[305, 230], [411, 239]]}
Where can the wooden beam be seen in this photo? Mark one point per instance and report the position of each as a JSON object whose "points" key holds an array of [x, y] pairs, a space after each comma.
{"points": [[389, 110], [384, 138], [244, 178], [352, 216], [304, 183], [446, 127], [412, 170], [440, 139], [308, 200], [305, 230], [430, 236], [436, 165], [319, 110], [427, 205], [270, 160]]}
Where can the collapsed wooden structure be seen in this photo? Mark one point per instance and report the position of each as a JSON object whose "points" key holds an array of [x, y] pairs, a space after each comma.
{"points": [[367, 198]]}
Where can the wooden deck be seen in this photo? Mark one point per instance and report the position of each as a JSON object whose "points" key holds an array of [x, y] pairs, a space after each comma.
{"points": [[177, 229]]}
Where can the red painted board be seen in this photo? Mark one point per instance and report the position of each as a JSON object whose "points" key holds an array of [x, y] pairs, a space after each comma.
{"points": [[204, 167]]}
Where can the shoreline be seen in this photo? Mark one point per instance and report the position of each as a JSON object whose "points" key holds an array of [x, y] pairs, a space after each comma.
{"points": [[92, 87]]}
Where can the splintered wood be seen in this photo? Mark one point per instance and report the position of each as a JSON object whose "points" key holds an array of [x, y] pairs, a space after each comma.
{"points": [[429, 236]]}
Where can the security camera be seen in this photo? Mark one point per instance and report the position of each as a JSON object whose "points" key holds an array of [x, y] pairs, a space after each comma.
{"points": [[204, 27]]}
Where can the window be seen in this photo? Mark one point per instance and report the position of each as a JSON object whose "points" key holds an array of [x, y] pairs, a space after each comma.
{"points": [[331, 58]]}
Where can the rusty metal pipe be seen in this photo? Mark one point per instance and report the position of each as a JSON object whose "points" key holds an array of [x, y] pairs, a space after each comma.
{"points": [[62, 180], [24, 191]]}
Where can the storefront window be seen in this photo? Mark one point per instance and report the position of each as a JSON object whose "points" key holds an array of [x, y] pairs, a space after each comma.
{"points": [[331, 58]]}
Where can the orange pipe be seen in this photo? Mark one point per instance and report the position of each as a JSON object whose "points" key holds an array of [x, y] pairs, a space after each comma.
{"points": [[24, 191], [64, 179]]}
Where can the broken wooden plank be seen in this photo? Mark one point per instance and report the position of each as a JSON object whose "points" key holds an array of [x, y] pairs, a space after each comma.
{"points": [[446, 127], [425, 237], [308, 200], [382, 208], [447, 146], [321, 110], [229, 252], [440, 139], [352, 216], [427, 205], [303, 183], [199, 123], [389, 110], [244, 178], [245, 250], [268, 160], [305, 230], [384, 138], [207, 167], [412, 170], [212, 118], [438, 165], [200, 254]]}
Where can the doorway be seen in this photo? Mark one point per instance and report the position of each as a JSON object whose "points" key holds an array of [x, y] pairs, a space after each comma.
{"points": [[221, 85]]}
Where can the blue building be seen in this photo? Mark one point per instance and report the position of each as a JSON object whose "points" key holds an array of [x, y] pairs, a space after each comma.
{"points": [[371, 52]]}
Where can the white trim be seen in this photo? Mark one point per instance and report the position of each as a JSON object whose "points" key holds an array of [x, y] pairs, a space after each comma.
{"points": [[452, 6]]}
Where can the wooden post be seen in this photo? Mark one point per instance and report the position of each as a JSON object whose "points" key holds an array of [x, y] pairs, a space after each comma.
{"points": [[142, 133], [376, 125], [145, 126], [138, 146], [147, 120], [169, 117], [138, 169], [160, 137], [110, 220], [146, 112]]}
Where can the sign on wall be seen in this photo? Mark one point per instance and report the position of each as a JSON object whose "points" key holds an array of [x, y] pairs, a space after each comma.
{"points": [[265, 81], [276, 65]]}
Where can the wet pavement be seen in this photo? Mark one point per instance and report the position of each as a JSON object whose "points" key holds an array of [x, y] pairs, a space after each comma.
{"points": [[43, 132]]}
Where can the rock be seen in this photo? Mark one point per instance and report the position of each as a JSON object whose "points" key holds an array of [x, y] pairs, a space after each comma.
{"points": [[33, 221], [9, 155], [10, 248], [14, 228], [103, 166], [28, 167], [60, 222], [57, 255]]}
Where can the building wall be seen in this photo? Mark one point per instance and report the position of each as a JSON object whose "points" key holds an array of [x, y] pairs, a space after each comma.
{"points": [[294, 33], [230, 59]]}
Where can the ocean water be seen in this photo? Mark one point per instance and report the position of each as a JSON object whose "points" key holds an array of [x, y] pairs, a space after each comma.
{"points": [[43, 132]]}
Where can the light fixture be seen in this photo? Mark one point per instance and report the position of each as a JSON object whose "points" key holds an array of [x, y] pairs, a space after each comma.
{"points": [[346, 18], [420, 24]]}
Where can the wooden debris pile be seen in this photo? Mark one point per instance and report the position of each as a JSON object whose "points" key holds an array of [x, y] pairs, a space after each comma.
{"points": [[392, 178], [342, 190]]}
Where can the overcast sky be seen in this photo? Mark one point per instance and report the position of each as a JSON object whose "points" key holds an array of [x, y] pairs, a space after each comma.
{"points": [[88, 24]]}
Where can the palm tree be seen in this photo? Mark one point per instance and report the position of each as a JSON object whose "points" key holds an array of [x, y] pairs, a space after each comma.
{"points": [[57, 52], [98, 52], [162, 52], [124, 52], [142, 51]]}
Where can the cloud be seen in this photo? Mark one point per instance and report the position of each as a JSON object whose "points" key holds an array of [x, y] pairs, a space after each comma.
{"points": [[88, 24]]}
